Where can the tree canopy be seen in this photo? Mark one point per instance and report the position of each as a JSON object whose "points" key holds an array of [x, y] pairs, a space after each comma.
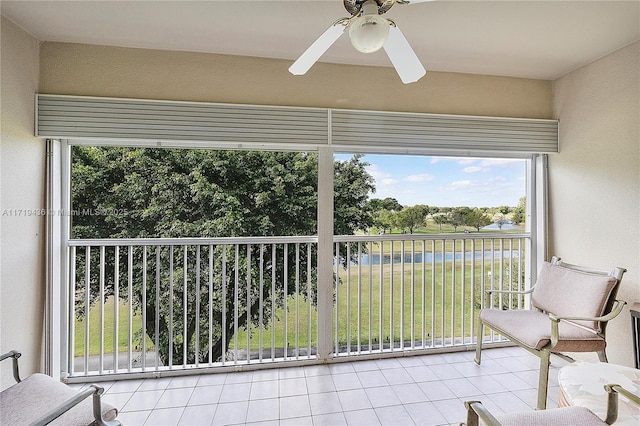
{"points": [[144, 192]]}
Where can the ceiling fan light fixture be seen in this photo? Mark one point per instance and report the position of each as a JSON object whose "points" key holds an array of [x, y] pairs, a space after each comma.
{"points": [[369, 31]]}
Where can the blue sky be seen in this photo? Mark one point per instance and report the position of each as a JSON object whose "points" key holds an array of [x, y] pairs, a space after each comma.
{"points": [[447, 181]]}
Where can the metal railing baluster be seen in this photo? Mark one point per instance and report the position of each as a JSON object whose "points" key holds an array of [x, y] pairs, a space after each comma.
{"points": [[402, 295], [197, 321], [72, 311], [101, 300], [285, 299], [433, 293], [336, 328], [392, 340], [381, 299], [143, 309], [273, 300], [413, 298], [157, 310], [248, 321], [348, 278], [116, 304], [223, 312], [236, 299], [130, 306], [87, 306], [261, 302], [210, 322], [358, 299], [297, 299], [423, 305], [170, 307], [185, 287], [309, 313]]}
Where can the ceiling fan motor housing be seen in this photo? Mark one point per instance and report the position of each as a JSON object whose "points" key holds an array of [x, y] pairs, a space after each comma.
{"points": [[355, 6]]}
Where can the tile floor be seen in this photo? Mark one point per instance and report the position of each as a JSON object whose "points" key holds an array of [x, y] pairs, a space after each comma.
{"points": [[416, 390]]}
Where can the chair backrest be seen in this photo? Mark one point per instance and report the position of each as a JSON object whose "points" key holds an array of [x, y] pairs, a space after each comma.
{"points": [[570, 290]]}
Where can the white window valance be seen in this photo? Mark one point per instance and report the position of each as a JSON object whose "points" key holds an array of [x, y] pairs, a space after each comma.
{"points": [[197, 124]]}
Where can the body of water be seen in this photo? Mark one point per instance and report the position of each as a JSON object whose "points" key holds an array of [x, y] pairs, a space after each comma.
{"points": [[374, 258]]}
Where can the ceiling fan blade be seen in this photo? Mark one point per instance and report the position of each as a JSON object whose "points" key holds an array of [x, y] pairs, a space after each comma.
{"points": [[313, 52], [403, 57]]}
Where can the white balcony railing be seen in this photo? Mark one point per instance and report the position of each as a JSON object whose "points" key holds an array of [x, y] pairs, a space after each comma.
{"points": [[149, 306], [414, 292]]}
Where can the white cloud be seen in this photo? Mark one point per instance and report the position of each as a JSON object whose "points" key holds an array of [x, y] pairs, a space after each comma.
{"points": [[376, 172], [473, 169], [500, 162], [424, 177], [459, 160], [458, 185], [494, 184], [466, 161]]}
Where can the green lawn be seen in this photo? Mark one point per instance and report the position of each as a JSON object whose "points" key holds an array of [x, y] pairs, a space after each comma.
{"points": [[123, 330], [444, 314]]}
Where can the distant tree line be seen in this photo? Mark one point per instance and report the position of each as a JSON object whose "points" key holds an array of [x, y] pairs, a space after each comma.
{"points": [[388, 214]]}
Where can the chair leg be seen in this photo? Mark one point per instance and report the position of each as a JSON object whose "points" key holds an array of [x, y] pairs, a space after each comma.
{"points": [[479, 336], [543, 382], [603, 356], [472, 416]]}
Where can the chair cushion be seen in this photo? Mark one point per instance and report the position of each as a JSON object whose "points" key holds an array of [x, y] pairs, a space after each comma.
{"points": [[533, 329], [568, 292], [27, 401], [570, 416]]}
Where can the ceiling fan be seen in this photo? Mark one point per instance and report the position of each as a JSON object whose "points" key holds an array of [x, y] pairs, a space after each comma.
{"points": [[368, 32]]}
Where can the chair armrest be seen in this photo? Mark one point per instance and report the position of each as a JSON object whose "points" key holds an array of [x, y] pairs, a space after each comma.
{"points": [[555, 320], [94, 390], [476, 410], [510, 291], [14, 355], [617, 308], [624, 392]]}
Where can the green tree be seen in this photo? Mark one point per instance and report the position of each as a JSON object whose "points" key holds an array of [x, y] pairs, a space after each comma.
{"points": [[504, 209], [412, 217], [477, 218], [385, 219], [500, 220], [206, 193], [458, 217], [519, 212], [388, 203], [440, 219], [384, 212]]}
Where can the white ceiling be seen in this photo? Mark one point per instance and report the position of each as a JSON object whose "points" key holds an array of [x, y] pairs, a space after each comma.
{"points": [[535, 39]]}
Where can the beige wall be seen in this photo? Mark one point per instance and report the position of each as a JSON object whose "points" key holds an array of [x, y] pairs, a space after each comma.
{"points": [[78, 69], [22, 284], [595, 180]]}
